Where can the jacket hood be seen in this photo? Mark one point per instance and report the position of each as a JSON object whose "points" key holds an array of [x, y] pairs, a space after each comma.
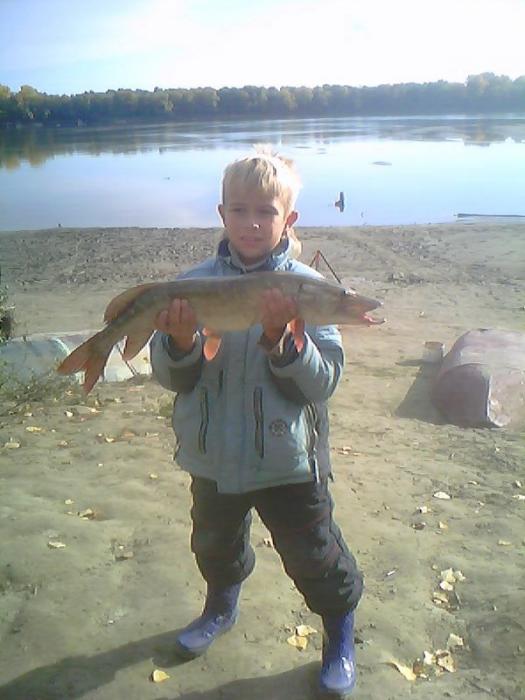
{"points": [[276, 260]]}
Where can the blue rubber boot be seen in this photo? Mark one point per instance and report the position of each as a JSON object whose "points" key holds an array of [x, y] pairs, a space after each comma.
{"points": [[220, 613], [338, 673]]}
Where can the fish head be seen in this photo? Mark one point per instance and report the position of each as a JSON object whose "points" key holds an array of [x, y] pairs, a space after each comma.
{"points": [[354, 309], [323, 302]]}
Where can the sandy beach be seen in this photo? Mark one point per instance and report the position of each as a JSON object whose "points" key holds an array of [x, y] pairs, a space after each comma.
{"points": [[96, 574]]}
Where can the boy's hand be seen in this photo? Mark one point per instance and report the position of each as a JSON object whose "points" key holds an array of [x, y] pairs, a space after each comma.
{"points": [[179, 322], [276, 312]]}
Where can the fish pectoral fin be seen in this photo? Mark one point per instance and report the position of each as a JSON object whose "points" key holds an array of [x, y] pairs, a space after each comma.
{"points": [[135, 342], [211, 344], [117, 305], [296, 328]]}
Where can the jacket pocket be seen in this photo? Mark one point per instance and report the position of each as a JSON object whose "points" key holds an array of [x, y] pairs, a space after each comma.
{"points": [[258, 415], [312, 421], [205, 419]]}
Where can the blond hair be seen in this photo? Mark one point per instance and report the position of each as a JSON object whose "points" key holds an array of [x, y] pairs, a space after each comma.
{"points": [[272, 174]]}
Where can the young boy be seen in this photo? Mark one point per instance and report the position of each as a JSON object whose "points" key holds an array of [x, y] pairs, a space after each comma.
{"points": [[252, 428]]}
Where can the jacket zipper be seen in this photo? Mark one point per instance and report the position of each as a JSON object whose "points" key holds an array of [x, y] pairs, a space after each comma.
{"points": [[205, 419], [311, 422], [259, 421]]}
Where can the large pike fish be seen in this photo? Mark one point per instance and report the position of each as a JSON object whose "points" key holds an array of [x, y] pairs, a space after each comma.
{"points": [[220, 304]]}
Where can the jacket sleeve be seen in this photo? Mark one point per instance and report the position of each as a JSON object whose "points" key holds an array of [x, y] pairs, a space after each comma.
{"points": [[175, 370], [313, 374]]}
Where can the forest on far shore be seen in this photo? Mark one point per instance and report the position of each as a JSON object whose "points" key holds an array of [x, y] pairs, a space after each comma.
{"points": [[484, 93]]}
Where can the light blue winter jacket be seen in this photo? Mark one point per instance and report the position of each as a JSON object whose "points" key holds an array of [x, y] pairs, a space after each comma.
{"points": [[246, 420]]}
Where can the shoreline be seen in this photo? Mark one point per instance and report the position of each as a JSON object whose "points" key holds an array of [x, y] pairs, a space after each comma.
{"points": [[93, 619]]}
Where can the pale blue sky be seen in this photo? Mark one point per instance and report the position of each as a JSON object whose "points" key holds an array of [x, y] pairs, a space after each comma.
{"points": [[68, 46]]}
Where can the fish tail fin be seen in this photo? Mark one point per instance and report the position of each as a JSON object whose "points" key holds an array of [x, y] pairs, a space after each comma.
{"points": [[296, 328], [87, 358]]}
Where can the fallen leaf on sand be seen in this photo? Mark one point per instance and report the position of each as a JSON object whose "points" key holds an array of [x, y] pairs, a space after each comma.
{"points": [[428, 658], [454, 641], [33, 429], [404, 670], [153, 476], [444, 660], [69, 501], [423, 509], [440, 598], [305, 630], [54, 544], [446, 586], [87, 514], [519, 497], [442, 496], [504, 543], [448, 576], [159, 676], [298, 642], [68, 414], [127, 435], [518, 484], [442, 525], [11, 445], [63, 443]]}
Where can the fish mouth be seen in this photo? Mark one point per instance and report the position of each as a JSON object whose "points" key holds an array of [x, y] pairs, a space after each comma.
{"points": [[363, 306], [370, 320]]}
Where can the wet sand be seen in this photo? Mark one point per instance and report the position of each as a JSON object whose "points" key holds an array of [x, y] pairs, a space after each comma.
{"points": [[93, 619]]}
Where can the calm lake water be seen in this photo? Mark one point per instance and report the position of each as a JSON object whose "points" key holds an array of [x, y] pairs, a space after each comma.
{"points": [[392, 170]]}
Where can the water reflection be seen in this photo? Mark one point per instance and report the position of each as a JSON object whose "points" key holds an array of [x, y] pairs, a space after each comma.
{"points": [[36, 145]]}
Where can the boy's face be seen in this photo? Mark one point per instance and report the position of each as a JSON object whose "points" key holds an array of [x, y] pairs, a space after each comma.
{"points": [[254, 222]]}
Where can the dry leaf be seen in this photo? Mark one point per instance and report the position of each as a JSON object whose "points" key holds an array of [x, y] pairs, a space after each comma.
{"points": [[454, 641], [519, 497], [298, 642], [518, 484], [127, 435], [446, 586], [68, 414], [405, 671], [63, 443], [504, 543], [444, 660], [423, 509], [439, 598], [33, 429], [54, 544], [428, 658], [159, 676], [305, 630], [459, 576], [68, 501], [153, 476], [11, 445], [448, 576], [87, 514], [442, 525], [442, 496]]}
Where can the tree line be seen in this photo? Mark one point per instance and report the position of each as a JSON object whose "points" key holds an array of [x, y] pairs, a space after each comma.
{"points": [[484, 93]]}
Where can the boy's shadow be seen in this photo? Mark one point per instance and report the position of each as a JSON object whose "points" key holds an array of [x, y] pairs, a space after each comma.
{"points": [[418, 399], [75, 676]]}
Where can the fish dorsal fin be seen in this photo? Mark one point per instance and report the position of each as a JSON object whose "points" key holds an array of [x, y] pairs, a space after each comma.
{"points": [[117, 305]]}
